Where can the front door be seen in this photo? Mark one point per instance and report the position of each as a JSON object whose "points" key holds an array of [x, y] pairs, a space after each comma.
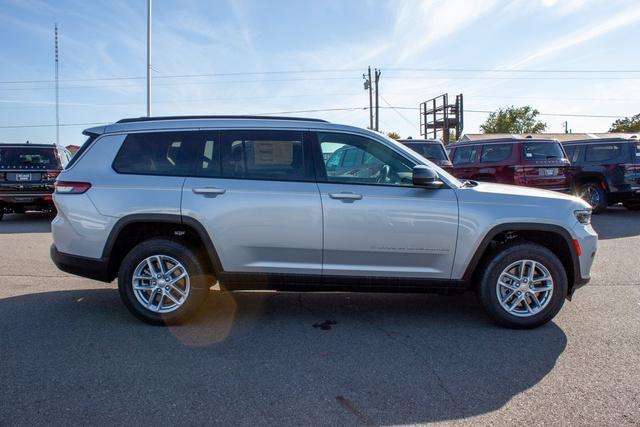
{"points": [[376, 223]]}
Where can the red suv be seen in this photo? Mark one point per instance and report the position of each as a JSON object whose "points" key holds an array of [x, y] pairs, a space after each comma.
{"points": [[538, 163]]}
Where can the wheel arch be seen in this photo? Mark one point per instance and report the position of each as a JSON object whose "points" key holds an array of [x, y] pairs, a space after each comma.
{"points": [[553, 237], [133, 229]]}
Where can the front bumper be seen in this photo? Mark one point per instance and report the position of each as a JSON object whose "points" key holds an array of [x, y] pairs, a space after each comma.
{"points": [[588, 240], [91, 268]]}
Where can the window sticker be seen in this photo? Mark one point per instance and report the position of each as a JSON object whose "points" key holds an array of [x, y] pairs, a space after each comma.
{"points": [[273, 152]]}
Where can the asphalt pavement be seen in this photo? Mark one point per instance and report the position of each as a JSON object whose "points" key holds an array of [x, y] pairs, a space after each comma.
{"points": [[71, 354]]}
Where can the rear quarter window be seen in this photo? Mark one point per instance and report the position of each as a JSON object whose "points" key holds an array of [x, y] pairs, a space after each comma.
{"points": [[602, 152], [465, 155], [157, 153]]}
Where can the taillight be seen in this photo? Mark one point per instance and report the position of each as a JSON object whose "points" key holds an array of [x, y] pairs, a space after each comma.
{"points": [[65, 187], [51, 175]]}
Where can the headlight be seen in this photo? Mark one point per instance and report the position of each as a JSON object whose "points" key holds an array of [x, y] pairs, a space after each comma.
{"points": [[583, 216]]}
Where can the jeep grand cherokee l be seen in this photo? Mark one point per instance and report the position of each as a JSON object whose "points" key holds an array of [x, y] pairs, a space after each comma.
{"points": [[27, 173], [171, 205], [606, 171]]}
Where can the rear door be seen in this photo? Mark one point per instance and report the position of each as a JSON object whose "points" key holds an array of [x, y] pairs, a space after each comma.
{"points": [[27, 171], [376, 224], [254, 192]]}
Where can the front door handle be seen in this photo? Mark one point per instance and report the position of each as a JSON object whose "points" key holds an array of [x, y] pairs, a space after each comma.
{"points": [[209, 191], [348, 197]]}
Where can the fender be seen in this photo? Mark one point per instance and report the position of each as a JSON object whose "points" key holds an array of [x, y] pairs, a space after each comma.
{"points": [[526, 226]]}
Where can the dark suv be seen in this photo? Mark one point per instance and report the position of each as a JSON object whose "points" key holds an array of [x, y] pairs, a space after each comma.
{"points": [[606, 171], [430, 149], [530, 162], [27, 173]]}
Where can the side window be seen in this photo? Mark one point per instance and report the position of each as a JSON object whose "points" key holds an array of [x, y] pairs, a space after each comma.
{"points": [[465, 155], [573, 152], [207, 159], [157, 153], [371, 162], [494, 153], [602, 152], [264, 154]]}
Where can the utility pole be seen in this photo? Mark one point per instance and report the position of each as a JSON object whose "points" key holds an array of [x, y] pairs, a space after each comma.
{"points": [[377, 77], [566, 127], [368, 86], [149, 58], [55, 33]]}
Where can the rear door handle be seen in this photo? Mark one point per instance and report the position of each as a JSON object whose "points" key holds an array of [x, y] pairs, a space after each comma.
{"points": [[209, 191], [346, 196]]}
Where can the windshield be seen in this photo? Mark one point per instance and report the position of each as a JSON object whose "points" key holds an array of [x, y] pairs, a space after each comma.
{"points": [[543, 150], [429, 151], [418, 159], [28, 157]]}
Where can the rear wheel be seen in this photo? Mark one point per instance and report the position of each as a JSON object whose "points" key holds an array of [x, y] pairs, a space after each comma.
{"points": [[593, 194], [632, 205], [163, 282], [523, 285]]}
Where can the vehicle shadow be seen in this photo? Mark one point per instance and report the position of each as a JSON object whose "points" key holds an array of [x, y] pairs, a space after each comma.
{"points": [[30, 222], [264, 358], [616, 222]]}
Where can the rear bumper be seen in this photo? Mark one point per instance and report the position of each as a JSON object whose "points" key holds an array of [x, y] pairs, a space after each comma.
{"points": [[91, 268], [26, 198]]}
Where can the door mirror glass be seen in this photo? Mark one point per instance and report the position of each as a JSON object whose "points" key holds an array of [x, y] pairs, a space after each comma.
{"points": [[425, 177]]}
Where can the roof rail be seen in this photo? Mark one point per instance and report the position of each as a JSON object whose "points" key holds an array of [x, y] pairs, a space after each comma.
{"points": [[160, 118]]}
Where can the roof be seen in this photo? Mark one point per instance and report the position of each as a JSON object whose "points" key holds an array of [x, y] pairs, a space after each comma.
{"points": [[419, 141], [501, 141], [24, 144], [218, 122], [559, 136], [223, 117], [600, 140]]}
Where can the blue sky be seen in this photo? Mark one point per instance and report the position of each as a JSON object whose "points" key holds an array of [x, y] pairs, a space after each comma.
{"points": [[325, 46]]}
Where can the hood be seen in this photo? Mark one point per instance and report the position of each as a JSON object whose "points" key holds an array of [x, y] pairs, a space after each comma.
{"points": [[514, 195]]}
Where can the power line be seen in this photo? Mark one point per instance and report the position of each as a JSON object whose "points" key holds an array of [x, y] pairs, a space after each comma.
{"points": [[179, 83], [337, 70]]}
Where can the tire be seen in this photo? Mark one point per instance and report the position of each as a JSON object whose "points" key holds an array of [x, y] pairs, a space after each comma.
{"points": [[550, 303], [592, 193], [632, 205], [188, 293]]}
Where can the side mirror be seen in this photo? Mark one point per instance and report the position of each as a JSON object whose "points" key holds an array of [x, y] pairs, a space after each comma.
{"points": [[425, 177]]}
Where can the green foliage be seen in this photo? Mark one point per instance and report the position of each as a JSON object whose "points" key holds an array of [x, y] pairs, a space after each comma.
{"points": [[628, 124], [514, 120], [393, 135]]}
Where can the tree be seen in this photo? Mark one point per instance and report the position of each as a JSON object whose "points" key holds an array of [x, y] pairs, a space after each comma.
{"points": [[628, 124], [513, 120], [393, 135]]}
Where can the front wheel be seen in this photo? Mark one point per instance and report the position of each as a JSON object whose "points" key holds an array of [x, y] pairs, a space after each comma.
{"points": [[163, 282], [523, 285]]}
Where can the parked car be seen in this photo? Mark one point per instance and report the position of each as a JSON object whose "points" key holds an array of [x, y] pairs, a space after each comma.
{"points": [[169, 206], [606, 171], [27, 173], [540, 163], [430, 149]]}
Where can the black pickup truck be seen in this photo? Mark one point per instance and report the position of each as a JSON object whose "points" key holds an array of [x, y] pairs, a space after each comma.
{"points": [[27, 174], [606, 171]]}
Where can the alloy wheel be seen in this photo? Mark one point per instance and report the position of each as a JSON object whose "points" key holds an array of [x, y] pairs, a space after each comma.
{"points": [[524, 288], [161, 283]]}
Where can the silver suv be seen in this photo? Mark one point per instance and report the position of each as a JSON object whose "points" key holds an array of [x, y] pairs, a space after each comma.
{"points": [[171, 205]]}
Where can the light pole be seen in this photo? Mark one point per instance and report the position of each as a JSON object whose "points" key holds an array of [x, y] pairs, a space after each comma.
{"points": [[149, 58]]}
